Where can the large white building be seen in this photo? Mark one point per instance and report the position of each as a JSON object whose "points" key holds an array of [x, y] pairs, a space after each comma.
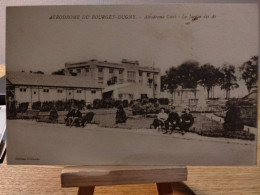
{"points": [[125, 80], [31, 87]]}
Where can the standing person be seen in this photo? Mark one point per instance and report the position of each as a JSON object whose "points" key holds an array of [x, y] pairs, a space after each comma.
{"points": [[186, 120], [120, 115], [53, 115], [232, 120], [173, 119]]}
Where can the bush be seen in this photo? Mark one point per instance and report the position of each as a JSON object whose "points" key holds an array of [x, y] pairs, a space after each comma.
{"points": [[164, 101], [145, 101], [118, 102], [97, 103], [138, 108], [46, 106], [153, 100], [60, 105], [36, 105], [125, 103], [23, 107]]}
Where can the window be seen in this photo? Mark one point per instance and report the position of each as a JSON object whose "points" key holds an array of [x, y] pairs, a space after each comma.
{"points": [[22, 89], [93, 91], [78, 70], [100, 69], [87, 69], [69, 93], [140, 73], [111, 70], [78, 91], [120, 71], [34, 92], [46, 90], [59, 90], [148, 74], [131, 76]]}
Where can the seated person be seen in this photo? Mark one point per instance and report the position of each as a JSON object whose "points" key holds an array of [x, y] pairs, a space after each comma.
{"points": [[87, 118], [69, 117], [186, 120], [161, 119], [120, 115], [173, 119], [76, 119]]}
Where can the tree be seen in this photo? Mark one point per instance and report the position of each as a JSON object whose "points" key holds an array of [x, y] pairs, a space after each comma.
{"points": [[185, 75], [188, 74], [228, 80], [59, 72], [249, 72], [169, 81], [209, 76]]}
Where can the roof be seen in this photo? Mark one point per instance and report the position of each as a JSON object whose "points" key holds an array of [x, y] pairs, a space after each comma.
{"points": [[32, 79], [119, 86], [112, 65]]}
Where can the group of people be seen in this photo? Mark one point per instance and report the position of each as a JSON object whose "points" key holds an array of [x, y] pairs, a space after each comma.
{"points": [[164, 120], [78, 118]]}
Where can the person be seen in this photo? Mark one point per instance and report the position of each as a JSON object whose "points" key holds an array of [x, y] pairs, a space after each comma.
{"points": [[173, 119], [161, 119], [69, 117], [76, 119], [232, 120], [53, 115], [120, 115], [186, 120], [86, 116]]}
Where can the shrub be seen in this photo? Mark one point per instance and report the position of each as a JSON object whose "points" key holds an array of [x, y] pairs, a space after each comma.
{"points": [[145, 101], [97, 103], [153, 100], [138, 108], [36, 105], [46, 106], [23, 107], [125, 103], [60, 105], [164, 101], [118, 102]]}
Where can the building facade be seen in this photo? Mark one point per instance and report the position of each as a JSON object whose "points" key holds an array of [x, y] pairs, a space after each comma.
{"points": [[108, 74], [31, 87]]}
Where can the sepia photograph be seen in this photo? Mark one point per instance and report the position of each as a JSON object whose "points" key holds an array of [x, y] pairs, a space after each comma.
{"points": [[158, 84]]}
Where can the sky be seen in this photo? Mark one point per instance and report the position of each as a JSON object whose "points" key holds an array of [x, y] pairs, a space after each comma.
{"points": [[231, 37]]}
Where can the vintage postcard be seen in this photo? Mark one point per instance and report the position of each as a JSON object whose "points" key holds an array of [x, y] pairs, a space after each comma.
{"points": [[168, 84]]}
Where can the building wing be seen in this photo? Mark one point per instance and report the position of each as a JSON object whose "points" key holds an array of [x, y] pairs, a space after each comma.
{"points": [[33, 79]]}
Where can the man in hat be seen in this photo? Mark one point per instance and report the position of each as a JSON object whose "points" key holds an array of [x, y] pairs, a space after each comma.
{"points": [[173, 120], [186, 120], [69, 117], [76, 118]]}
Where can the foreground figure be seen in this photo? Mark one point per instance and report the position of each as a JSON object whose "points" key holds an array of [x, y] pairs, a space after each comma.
{"points": [[173, 120], [160, 121], [186, 120], [120, 115]]}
